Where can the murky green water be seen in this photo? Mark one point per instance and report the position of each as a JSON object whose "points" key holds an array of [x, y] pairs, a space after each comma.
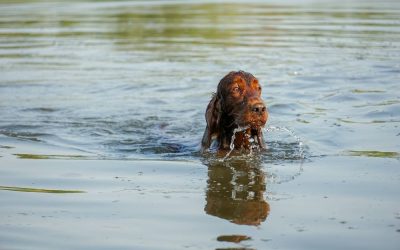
{"points": [[102, 111]]}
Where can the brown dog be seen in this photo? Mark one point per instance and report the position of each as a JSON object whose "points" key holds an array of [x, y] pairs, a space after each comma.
{"points": [[237, 108]]}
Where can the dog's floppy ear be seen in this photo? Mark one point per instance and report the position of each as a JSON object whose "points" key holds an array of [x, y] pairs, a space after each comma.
{"points": [[213, 117]]}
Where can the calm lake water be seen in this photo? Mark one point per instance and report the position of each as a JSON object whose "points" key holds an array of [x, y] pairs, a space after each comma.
{"points": [[102, 111]]}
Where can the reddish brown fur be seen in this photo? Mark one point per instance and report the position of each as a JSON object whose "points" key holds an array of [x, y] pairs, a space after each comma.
{"points": [[237, 103]]}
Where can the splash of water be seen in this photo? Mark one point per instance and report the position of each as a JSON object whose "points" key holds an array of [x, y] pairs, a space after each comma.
{"points": [[292, 134], [254, 146], [232, 145]]}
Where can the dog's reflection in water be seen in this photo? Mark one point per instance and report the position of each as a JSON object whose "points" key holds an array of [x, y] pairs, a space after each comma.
{"points": [[235, 192]]}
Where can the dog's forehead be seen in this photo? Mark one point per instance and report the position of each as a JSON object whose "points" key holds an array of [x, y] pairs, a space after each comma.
{"points": [[241, 78], [249, 80]]}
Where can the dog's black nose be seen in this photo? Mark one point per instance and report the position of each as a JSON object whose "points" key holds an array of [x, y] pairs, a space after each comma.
{"points": [[258, 108]]}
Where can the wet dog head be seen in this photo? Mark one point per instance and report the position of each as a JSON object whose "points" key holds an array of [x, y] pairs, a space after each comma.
{"points": [[236, 105], [240, 95]]}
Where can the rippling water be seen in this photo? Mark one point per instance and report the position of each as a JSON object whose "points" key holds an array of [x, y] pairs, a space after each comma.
{"points": [[127, 79], [121, 80]]}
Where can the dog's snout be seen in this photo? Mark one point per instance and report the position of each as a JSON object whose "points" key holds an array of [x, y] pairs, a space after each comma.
{"points": [[258, 108]]}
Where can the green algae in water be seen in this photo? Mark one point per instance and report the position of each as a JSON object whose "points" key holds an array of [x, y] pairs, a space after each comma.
{"points": [[366, 122], [46, 157], [384, 103], [363, 91], [40, 190], [380, 154]]}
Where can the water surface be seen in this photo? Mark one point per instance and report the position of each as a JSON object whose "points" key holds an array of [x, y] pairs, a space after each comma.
{"points": [[102, 111]]}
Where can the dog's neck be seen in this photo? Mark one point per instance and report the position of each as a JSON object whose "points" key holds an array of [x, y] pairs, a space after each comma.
{"points": [[243, 139]]}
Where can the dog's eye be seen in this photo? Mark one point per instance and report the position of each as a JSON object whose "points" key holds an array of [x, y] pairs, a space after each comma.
{"points": [[259, 88], [236, 89]]}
